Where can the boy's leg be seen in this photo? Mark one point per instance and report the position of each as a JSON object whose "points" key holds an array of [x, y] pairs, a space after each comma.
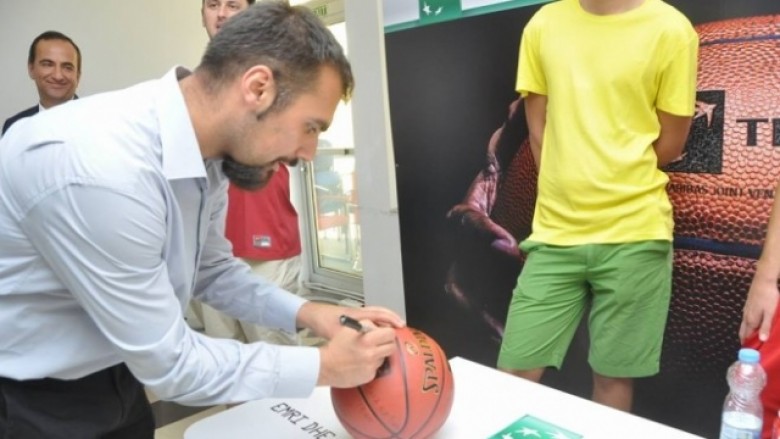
{"points": [[546, 308], [534, 375], [631, 286], [617, 393]]}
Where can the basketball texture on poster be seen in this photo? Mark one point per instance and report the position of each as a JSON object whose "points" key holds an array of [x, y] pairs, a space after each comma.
{"points": [[722, 188]]}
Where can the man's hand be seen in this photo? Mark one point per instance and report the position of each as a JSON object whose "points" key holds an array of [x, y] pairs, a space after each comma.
{"points": [[323, 318], [352, 358], [759, 308]]}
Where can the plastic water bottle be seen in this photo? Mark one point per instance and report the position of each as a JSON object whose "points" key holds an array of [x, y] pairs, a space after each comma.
{"points": [[742, 411]]}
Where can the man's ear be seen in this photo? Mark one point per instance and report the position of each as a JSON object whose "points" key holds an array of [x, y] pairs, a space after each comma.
{"points": [[30, 71], [258, 87]]}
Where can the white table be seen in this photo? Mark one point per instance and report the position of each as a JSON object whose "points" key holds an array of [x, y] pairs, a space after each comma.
{"points": [[486, 401]]}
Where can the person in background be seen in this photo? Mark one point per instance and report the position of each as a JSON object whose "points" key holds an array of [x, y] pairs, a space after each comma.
{"points": [[54, 63], [110, 228], [215, 13], [760, 328], [261, 225], [609, 89]]}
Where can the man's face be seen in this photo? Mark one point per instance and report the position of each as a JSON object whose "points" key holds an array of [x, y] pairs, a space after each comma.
{"points": [[216, 12], [264, 141], [55, 71]]}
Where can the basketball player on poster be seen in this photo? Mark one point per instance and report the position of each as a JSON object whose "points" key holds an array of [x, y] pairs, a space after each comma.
{"points": [[601, 123]]}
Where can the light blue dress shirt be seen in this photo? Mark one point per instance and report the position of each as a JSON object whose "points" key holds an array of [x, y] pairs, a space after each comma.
{"points": [[111, 221]]}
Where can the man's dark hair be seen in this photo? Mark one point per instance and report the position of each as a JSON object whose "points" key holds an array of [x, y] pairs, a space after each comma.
{"points": [[249, 2], [290, 40], [53, 35]]}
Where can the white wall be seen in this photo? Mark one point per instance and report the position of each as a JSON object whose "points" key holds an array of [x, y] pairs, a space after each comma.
{"points": [[399, 11], [122, 42], [374, 160]]}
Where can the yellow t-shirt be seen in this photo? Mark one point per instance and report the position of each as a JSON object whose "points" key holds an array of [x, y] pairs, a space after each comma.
{"points": [[604, 77]]}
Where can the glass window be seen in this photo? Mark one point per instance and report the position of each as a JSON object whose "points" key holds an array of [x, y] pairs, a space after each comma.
{"points": [[332, 205], [336, 218]]}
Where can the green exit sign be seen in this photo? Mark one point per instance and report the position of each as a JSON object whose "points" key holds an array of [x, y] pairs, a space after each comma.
{"points": [[329, 11], [322, 11]]}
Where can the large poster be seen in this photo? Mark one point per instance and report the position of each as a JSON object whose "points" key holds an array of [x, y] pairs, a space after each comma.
{"points": [[451, 95]]}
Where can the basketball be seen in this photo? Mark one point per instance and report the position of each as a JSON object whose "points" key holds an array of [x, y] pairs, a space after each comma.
{"points": [[723, 186], [411, 396]]}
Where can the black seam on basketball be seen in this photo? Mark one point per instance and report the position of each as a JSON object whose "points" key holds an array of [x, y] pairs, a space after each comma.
{"points": [[421, 425], [393, 434], [349, 425], [402, 362], [442, 360], [740, 40], [748, 251]]}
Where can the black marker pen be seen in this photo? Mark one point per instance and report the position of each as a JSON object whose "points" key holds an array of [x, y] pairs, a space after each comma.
{"points": [[349, 322]]}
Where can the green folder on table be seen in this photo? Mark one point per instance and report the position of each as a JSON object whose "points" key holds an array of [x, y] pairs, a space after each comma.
{"points": [[531, 427]]}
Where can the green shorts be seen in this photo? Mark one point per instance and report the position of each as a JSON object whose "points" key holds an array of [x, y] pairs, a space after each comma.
{"points": [[628, 287]]}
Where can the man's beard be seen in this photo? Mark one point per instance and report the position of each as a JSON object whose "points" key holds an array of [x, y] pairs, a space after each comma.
{"points": [[245, 176], [249, 177]]}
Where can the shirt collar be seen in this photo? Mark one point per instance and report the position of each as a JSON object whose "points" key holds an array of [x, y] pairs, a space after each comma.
{"points": [[181, 157], [42, 108]]}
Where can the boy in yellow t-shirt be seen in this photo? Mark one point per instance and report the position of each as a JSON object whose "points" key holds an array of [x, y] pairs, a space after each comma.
{"points": [[609, 88]]}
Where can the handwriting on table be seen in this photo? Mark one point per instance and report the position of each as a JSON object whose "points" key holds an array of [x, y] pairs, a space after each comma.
{"points": [[295, 417]]}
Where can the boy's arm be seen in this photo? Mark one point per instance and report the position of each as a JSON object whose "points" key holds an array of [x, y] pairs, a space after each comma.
{"points": [[536, 115], [671, 140]]}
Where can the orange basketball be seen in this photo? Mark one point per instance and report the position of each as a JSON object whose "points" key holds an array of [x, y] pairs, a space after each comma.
{"points": [[722, 188], [410, 397]]}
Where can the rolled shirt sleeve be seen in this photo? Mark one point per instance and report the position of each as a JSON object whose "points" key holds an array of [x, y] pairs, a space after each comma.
{"points": [[106, 245]]}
